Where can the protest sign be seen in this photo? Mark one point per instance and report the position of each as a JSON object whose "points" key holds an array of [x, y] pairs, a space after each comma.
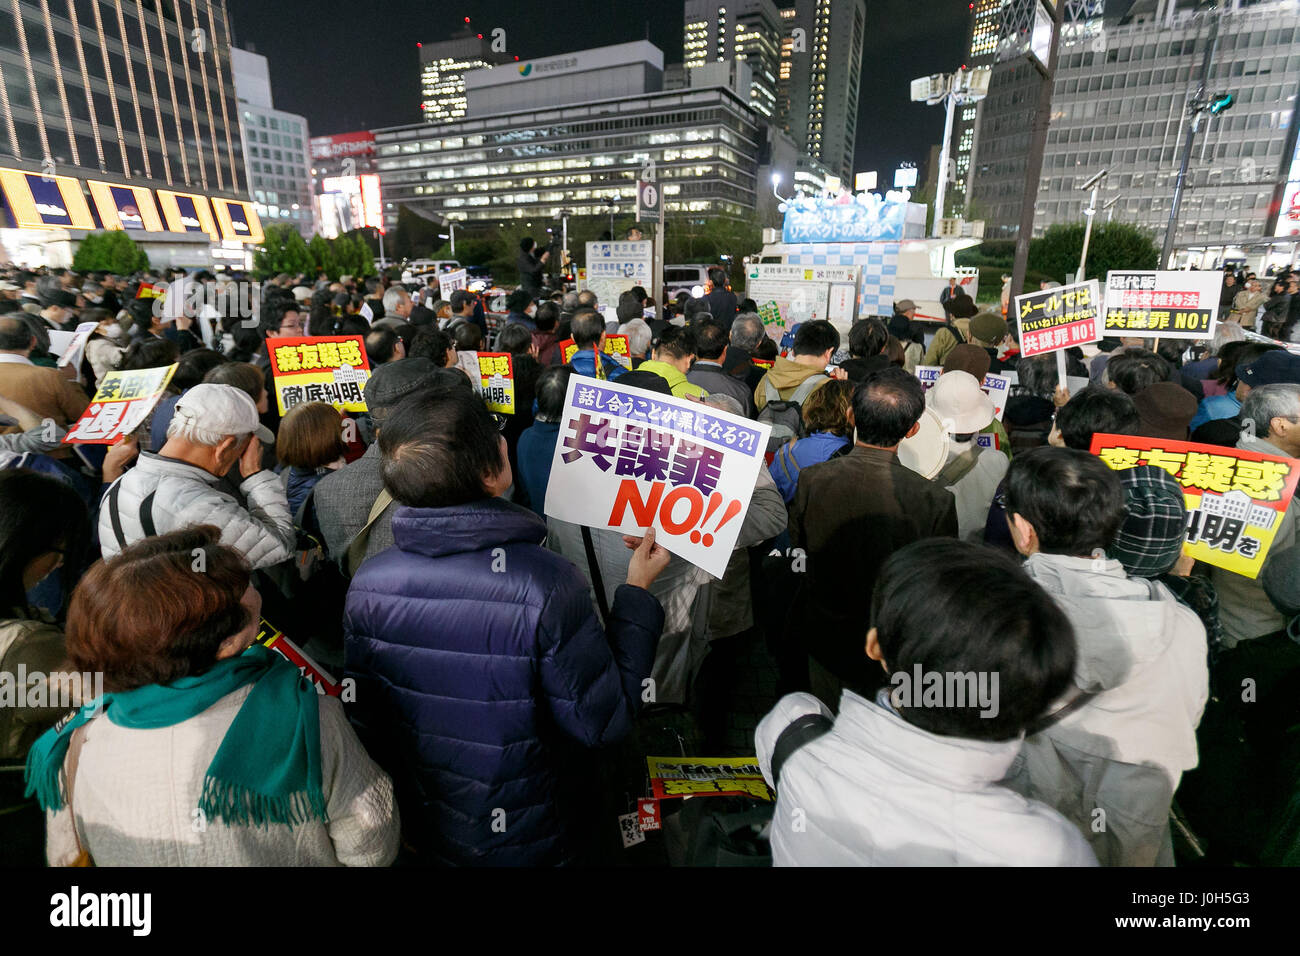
{"points": [[629, 459], [615, 345], [496, 380], [763, 363], [70, 346], [449, 282], [322, 368], [1059, 318], [121, 404], [1235, 498], [996, 386], [1171, 305], [707, 777], [272, 637]]}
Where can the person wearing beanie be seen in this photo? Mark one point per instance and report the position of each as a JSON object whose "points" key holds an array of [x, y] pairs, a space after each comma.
{"points": [[971, 473], [1165, 410], [968, 358]]}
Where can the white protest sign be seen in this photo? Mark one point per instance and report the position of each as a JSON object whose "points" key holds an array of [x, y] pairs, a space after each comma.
{"points": [[449, 282], [72, 345], [628, 459]]}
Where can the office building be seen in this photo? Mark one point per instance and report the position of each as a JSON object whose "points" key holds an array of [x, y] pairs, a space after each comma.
{"points": [[624, 69], [1121, 107], [275, 147], [121, 116], [443, 68], [817, 79], [749, 30]]}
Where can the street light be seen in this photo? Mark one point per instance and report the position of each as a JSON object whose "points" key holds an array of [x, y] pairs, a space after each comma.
{"points": [[1094, 183], [951, 89], [776, 181]]}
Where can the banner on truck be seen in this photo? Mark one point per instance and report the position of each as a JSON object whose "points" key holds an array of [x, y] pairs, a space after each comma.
{"points": [[629, 459], [1235, 498]]}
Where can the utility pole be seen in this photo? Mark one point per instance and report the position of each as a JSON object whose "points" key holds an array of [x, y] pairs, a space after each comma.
{"points": [[953, 90], [1037, 146], [1195, 107]]}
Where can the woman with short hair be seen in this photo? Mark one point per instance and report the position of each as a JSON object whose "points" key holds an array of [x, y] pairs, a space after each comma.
{"points": [[207, 749]]}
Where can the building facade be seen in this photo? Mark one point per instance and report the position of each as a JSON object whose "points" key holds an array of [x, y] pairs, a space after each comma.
{"points": [[747, 30], [133, 96], [1122, 105], [443, 67], [818, 79], [584, 157], [276, 147]]}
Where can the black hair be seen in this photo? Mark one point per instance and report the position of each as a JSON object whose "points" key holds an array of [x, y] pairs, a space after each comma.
{"points": [[1235, 355], [629, 307], [815, 338], [710, 340], [1096, 411], [460, 299], [1133, 369], [748, 305], [149, 353], [1074, 500], [552, 385], [381, 345], [38, 514], [194, 365], [351, 325], [519, 300], [514, 338], [547, 316], [467, 336], [695, 308], [526, 244], [886, 406], [970, 614], [718, 276], [676, 342], [640, 293], [867, 337], [14, 335], [765, 349], [431, 344], [437, 447], [586, 327]]}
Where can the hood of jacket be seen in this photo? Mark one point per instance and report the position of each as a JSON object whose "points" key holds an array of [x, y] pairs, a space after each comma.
{"points": [[676, 380], [1121, 624], [786, 375], [488, 523]]}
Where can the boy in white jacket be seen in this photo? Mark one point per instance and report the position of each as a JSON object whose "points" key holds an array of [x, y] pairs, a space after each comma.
{"points": [[976, 652]]}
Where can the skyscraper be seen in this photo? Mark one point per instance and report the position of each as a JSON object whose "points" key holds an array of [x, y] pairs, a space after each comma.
{"points": [[275, 146], [986, 24], [747, 30], [818, 76], [443, 66]]}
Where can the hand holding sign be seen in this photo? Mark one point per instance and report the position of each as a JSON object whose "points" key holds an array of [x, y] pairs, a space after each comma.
{"points": [[648, 559]]}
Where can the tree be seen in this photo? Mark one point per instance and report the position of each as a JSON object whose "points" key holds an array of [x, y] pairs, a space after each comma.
{"points": [[322, 257], [282, 250], [1114, 245], [111, 251]]}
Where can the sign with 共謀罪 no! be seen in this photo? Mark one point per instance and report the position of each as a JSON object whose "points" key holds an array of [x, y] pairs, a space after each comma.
{"points": [[628, 459], [1155, 304]]}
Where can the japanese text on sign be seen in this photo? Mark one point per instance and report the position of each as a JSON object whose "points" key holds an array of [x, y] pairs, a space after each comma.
{"points": [[1162, 304], [496, 378], [331, 369], [121, 404], [1059, 318], [707, 776]]}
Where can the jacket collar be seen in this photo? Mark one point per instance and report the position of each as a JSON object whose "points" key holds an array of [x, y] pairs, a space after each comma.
{"points": [[957, 763], [153, 463], [490, 522], [669, 373], [872, 455]]}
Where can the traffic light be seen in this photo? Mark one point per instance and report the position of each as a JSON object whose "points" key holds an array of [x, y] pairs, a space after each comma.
{"points": [[1221, 102]]}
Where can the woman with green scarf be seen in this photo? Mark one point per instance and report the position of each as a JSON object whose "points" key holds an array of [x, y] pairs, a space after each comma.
{"points": [[205, 749]]}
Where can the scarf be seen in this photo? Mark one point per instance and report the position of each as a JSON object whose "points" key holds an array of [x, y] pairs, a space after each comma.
{"points": [[268, 767]]}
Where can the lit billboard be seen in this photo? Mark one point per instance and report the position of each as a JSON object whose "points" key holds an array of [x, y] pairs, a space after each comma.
{"points": [[361, 143], [125, 207], [349, 202], [238, 220], [38, 201], [187, 212]]}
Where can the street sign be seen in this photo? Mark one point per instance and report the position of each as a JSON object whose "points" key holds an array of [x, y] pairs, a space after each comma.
{"points": [[648, 201]]}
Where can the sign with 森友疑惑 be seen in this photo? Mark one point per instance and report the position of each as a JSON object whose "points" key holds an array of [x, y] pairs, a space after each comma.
{"points": [[629, 459], [1236, 499], [1155, 304], [1059, 318], [613, 345], [121, 404], [496, 378], [706, 777], [324, 368]]}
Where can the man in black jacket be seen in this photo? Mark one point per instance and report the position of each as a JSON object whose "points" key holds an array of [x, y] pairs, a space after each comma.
{"points": [[722, 301], [530, 266]]}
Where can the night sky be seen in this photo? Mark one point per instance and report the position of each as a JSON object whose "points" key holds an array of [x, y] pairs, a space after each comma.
{"points": [[349, 66]]}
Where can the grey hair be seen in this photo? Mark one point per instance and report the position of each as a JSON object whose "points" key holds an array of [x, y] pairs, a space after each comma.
{"points": [[393, 297], [185, 426], [1224, 333], [746, 331], [724, 403], [1267, 402], [638, 335]]}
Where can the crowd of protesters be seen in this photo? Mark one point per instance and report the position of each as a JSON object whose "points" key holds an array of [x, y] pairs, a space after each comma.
{"points": [[496, 660]]}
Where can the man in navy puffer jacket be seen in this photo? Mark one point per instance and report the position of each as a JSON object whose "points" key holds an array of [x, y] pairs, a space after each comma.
{"points": [[480, 664]]}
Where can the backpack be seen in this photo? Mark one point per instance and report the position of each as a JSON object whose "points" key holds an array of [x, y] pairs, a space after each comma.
{"points": [[786, 415]]}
